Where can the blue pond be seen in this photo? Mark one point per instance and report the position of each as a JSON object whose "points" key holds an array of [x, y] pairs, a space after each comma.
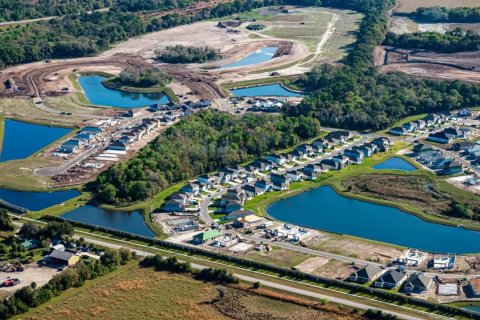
{"points": [[36, 201], [472, 308], [21, 139], [131, 222], [274, 90], [258, 56], [395, 163], [100, 95], [324, 209]]}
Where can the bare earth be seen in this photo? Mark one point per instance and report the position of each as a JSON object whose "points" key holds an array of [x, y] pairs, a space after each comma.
{"points": [[412, 5]]}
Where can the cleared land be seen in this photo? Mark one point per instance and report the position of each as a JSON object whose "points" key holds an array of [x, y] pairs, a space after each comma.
{"points": [[138, 293], [412, 5], [401, 25]]}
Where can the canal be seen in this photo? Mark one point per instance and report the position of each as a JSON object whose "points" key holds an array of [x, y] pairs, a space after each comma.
{"points": [[269, 90], [131, 222], [100, 95], [324, 209], [22, 139], [35, 201]]}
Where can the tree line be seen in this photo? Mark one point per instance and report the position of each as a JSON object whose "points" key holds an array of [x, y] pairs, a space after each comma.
{"points": [[452, 41], [438, 14], [86, 34], [199, 144], [187, 54]]}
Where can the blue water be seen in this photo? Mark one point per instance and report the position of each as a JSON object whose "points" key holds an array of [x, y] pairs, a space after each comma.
{"points": [[395, 163], [267, 90], [472, 308], [132, 222], [258, 56], [324, 209], [22, 139], [35, 201], [100, 95]]}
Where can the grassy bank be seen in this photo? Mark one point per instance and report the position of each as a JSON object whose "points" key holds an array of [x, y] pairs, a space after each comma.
{"points": [[63, 208], [286, 81]]}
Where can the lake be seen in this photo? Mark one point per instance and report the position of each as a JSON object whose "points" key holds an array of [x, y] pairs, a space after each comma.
{"points": [[132, 222], [100, 95], [35, 201], [270, 90], [395, 163], [259, 56], [324, 209], [22, 139]]}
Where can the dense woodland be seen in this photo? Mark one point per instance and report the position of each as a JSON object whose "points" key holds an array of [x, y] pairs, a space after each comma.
{"points": [[197, 144], [14, 10], [442, 14], [452, 41], [87, 34], [184, 54]]}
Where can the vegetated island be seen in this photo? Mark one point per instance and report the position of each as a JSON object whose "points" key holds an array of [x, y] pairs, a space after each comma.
{"points": [[187, 54]]}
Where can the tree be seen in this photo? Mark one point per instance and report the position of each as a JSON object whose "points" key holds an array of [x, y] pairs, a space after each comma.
{"points": [[30, 230], [125, 255], [59, 230], [257, 285], [110, 259], [5, 221]]}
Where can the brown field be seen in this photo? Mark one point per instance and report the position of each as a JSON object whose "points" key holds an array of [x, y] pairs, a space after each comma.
{"points": [[135, 293], [412, 5]]}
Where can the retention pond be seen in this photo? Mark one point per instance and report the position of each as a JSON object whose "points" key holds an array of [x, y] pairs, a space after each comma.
{"points": [[100, 95], [131, 222], [22, 139], [324, 209]]}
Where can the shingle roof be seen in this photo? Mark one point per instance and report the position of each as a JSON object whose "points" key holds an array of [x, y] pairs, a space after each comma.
{"points": [[61, 255]]}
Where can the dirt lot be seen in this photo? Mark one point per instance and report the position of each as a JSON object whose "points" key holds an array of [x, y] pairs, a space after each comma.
{"points": [[335, 269], [357, 248], [412, 5], [401, 25], [32, 273]]}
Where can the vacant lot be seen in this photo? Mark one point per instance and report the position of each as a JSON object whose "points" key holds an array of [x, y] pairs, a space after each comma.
{"points": [[134, 293], [279, 256], [412, 5], [401, 25]]}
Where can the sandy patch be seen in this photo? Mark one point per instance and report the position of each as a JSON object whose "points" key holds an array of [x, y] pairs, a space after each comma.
{"points": [[310, 265]]}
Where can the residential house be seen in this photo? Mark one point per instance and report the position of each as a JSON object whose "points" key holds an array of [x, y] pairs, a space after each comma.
{"points": [[83, 137], [229, 198], [310, 175], [268, 163], [69, 146], [192, 188], [455, 132], [382, 143], [318, 144], [433, 119], [170, 116], [328, 164], [422, 147], [299, 155], [207, 235], [409, 126], [417, 283], [312, 168], [354, 156], [295, 175], [264, 184], [280, 186], [390, 279], [342, 136], [91, 130], [206, 179], [236, 172], [420, 124], [278, 159], [306, 149], [232, 206], [223, 176], [462, 146], [118, 145], [181, 197], [452, 167], [261, 166], [252, 191], [248, 222], [173, 206], [365, 150], [398, 131], [366, 274], [290, 157], [440, 137], [126, 139], [342, 160], [237, 214], [280, 178]]}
